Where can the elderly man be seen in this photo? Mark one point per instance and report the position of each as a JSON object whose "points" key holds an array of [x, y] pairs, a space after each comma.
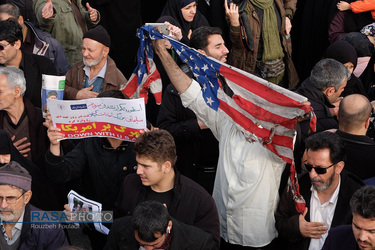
{"points": [[35, 40], [20, 118], [327, 189], [361, 234], [66, 21], [151, 227], [15, 214], [32, 65], [97, 71]]}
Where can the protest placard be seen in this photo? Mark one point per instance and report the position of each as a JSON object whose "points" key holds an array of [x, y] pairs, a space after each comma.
{"points": [[99, 117]]}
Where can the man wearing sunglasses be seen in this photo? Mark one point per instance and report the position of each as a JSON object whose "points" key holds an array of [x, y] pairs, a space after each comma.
{"points": [[32, 65], [151, 227], [327, 189]]}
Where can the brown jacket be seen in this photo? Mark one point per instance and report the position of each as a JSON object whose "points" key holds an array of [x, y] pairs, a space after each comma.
{"points": [[113, 79], [246, 60]]}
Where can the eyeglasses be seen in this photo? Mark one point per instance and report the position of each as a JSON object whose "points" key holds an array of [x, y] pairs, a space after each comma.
{"points": [[10, 199], [2, 47], [318, 170]]}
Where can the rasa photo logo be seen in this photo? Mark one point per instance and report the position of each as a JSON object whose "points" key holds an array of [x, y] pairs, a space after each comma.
{"points": [[71, 217]]}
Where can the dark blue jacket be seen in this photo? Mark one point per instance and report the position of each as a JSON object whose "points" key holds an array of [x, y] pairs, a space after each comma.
{"points": [[49, 47], [36, 236]]}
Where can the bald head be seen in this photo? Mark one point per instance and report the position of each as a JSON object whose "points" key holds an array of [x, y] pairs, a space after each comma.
{"points": [[354, 112]]}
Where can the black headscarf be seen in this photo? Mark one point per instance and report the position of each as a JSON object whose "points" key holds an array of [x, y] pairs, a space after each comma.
{"points": [[344, 52], [44, 196], [172, 8]]}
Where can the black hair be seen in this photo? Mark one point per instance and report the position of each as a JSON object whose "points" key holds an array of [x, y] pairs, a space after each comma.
{"points": [[327, 140], [10, 31], [363, 202], [150, 217], [199, 37], [113, 93]]}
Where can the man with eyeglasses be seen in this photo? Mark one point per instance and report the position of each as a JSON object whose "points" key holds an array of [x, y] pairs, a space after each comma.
{"points": [[16, 231], [327, 189], [151, 227]]}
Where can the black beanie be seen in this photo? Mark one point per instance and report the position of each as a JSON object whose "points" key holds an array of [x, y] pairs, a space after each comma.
{"points": [[98, 34]]}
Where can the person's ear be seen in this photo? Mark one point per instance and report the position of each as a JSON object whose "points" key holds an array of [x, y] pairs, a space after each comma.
{"points": [[169, 228], [20, 20], [329, 91], [17, 91], [166, 167], [367, 124], [27, 196], [202, 51], [339, 167], [17, 44]]}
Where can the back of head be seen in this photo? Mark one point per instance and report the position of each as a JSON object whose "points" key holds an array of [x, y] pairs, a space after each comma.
{"points": [[363, 202], [328, 73], [113, 93], [14, 174], [342, 51], [327, 140], [10, 9], [157, 145], [10, 31], [15, 77], [150, 217], [199, 37], [354, 111]]}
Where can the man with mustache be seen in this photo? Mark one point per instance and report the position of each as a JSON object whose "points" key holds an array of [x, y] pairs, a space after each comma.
{"points": [[361, 234], [15, 214], [327, 195], [96, 72]]}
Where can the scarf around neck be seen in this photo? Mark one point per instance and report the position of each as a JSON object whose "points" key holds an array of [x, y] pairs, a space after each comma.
{"points": [[270, 31]]}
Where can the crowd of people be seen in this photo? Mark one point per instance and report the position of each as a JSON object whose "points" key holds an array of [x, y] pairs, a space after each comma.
{"points": [[193, 179]]}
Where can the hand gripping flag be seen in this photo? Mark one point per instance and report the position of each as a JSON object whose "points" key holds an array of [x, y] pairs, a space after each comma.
{"points": [[264, 112], [145, 76]]}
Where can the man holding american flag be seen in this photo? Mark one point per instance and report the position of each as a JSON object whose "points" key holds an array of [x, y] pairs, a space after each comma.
{"points": [[255, 130]]}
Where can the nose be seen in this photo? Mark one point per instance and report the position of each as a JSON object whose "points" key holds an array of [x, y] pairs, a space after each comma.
{"points": [[193, 10], [363, 235], [225, 50], [139, 170], [84, 53], [3, 203], [313, 173]]}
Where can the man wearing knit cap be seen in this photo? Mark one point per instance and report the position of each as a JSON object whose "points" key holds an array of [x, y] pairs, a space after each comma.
{"points": [[97, 71], [15, 213]]}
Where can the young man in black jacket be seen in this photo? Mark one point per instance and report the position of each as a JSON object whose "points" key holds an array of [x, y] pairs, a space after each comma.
{"points": [[158, 180]]}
